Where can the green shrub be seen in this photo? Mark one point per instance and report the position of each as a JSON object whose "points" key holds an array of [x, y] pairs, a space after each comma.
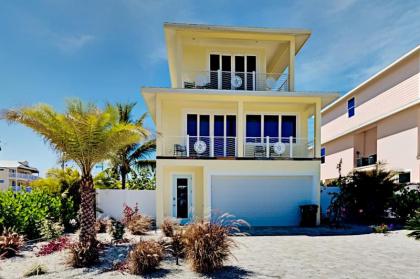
{"points": [[364, 197], [50, 229], [116, 230], [414, 224], [380, 229], [406, 201], [25, 212]]}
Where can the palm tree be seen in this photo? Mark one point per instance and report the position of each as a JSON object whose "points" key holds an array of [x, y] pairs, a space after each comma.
{"points": [[84, 134], [134, 155]]}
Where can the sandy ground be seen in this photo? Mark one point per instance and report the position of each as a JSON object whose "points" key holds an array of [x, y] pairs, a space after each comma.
{"points": [[343, 256]]}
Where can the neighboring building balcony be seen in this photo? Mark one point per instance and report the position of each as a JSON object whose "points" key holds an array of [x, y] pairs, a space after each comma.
{"points": [[23, 176], [192, 147], [228, 80], [366, 161]]}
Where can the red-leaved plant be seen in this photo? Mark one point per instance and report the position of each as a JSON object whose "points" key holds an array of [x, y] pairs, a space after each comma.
{"points": [[55, 245], [129, 213]]}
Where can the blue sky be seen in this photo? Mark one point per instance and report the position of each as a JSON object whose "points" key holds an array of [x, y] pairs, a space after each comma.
{"points": [[104, 51]]}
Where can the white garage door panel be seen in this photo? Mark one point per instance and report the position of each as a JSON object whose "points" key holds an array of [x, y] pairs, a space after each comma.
{"points": [[261, 200]]}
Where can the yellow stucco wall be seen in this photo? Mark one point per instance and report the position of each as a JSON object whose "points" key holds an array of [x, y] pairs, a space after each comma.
{"points": [[202, 170]]}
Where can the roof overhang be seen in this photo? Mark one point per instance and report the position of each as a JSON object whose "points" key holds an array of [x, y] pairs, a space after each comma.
{"points": [[150, 95]]}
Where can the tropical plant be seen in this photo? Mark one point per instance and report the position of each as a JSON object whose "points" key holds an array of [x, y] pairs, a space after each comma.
{"points": [[139, 224], [177, 245], [107, 179], [383, 228], [26, 211], [50, 229], [64, 183], [84, 254], [54, 245], [116, 230], [364, 196], [35, 270], [10, 243], [86, 135], [145, 257], [208, 244], [142, 179], [102, 225], [134, 155], [414, 224], [406, 201], [168, 227]]}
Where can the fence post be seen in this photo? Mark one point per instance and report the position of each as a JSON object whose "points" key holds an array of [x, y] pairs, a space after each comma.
{"points": [[211, 146], [219, 79], [291, 146], [188, 145], [267, 146]]}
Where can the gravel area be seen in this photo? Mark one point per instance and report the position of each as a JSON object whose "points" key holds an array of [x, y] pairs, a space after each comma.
{"points": [[301, 256]]}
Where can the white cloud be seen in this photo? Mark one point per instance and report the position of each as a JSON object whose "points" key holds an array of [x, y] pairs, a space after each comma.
{"points": [[74, 42]]}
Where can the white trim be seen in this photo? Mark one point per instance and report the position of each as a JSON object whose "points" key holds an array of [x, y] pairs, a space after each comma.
{"points": [[191, 205], [348, 94]]}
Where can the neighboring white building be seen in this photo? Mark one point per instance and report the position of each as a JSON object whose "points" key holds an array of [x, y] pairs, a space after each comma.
{"points": [[16, 173]]}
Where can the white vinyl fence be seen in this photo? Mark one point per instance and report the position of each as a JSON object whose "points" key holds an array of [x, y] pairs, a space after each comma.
{"points": [[326, 196], [111, 202]]}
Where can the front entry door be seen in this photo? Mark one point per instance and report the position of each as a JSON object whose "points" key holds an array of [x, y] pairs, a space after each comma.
{"points": [[182, 198]]}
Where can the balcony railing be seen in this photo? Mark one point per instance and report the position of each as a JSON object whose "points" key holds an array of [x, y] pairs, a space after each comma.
{"points": [[252, 147], [24, 176], [366, 161], [227, 80]]}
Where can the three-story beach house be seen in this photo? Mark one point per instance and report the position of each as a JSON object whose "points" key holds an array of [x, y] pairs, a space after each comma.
{"points": [[234, 136]]}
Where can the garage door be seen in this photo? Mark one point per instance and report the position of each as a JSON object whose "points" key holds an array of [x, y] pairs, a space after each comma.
{"points": [[261, 200]]}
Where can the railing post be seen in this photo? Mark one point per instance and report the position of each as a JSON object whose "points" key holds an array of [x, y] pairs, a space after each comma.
{"points": [[253, 81], [219, 79], [291, 147], [267, 146], [188, 145]]}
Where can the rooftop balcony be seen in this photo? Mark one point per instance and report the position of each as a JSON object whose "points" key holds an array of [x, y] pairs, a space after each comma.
{"points": [[228, 80], [227, 147], [23, 176]]}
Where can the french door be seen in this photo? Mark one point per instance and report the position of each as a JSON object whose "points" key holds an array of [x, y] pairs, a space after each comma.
{"points": [[217, 132], [243, 67]]}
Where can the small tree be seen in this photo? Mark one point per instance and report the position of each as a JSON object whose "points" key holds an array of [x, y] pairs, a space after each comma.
{"points": [[364, 196], [84, 134]]}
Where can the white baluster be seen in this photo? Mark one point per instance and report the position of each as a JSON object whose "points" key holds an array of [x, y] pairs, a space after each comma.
{"points": [[188, 145], [267, 146], [291, 147]]}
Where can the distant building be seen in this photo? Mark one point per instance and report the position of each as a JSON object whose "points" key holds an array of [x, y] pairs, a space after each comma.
{"points": [[16, 173], [378, 121]]}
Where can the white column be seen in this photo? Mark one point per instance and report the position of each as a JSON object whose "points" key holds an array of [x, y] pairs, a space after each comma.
{"points": [[240, 129]]}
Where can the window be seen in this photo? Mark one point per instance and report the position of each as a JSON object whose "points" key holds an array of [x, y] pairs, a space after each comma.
{"points": [[1, 181], [242, 65], [261, 126], [288, 127], [350, 107], [253, 128], [404, 177], [322, 155]]}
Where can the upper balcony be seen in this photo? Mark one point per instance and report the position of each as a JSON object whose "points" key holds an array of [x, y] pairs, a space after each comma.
{"points": [[229, 80], [233, 58]]}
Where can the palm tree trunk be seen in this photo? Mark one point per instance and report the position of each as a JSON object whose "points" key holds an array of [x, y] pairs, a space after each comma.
{"points": [[123, 171], [87, 208]]}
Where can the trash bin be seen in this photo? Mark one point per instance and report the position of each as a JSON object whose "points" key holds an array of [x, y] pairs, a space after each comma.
{"points": [[308, 213]]}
